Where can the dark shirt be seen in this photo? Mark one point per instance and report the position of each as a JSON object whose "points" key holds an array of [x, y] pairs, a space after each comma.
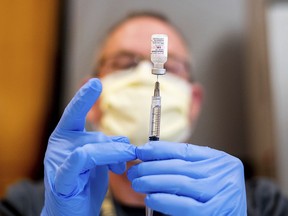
{"points": [[122, 210], [265, 198], [26, 199]]}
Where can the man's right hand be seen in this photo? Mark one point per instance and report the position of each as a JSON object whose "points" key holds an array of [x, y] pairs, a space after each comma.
{"points": [[185, 179]]}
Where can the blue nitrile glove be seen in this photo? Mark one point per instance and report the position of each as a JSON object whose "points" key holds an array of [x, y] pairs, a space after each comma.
{"points": [[184, 179], [77, 162]]}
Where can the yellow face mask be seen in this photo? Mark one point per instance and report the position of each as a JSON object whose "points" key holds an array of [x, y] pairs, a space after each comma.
{"points": [[126, 100]]}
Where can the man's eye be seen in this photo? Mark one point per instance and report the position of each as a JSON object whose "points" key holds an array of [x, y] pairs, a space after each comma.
{"points": [[176, 69], [124, 64]]}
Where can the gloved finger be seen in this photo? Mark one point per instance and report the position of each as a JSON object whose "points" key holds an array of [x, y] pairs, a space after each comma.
{"points": [[161, 150], [123, 139], [196, 170], [73, 139], [230, 200], [171, 204], [85, 158], [227, 202], [118, 168], [79, 138], [75, 113], [199, 189]]}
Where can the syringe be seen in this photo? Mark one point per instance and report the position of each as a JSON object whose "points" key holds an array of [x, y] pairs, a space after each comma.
{"points": [[159, 51]]}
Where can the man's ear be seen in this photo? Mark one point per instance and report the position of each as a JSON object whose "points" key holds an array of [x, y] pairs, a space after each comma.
{"points": [[196, 102]]}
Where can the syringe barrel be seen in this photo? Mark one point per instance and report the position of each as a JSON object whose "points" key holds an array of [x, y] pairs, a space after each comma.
{"points": [[155, 118]]}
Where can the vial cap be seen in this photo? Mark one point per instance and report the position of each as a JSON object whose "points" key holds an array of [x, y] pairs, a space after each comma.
{"points": [[158, 71]]}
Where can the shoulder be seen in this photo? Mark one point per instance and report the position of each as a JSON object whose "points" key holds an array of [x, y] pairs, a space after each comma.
{"points": [[25, 197], [264, 197]]}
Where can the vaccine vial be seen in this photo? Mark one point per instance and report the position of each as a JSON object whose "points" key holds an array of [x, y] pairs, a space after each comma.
{"points": [[159, 53]]}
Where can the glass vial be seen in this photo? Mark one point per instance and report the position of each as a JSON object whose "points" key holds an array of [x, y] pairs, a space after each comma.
{"points": [[159, 53]]}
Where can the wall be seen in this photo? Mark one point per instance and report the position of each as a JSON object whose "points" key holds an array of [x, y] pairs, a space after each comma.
{"points": [[27, 48], [277, 20]]}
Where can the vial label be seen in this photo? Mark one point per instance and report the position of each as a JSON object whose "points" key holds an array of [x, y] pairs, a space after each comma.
{"points": [[159, 50], [159, 45]]}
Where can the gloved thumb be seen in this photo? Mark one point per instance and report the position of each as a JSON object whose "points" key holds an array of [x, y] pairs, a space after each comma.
{"points": [[73, 118], [120, 167]]}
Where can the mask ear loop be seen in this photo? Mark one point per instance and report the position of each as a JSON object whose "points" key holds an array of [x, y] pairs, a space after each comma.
{"points": [[95, 73], [89, 126]]}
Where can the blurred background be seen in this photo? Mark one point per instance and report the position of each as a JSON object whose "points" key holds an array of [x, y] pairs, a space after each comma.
{"points": [[239, 48]]}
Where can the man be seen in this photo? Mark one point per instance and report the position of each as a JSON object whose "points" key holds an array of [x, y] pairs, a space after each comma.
{"points": [[128, 47], [168, 176], [180, 179]]}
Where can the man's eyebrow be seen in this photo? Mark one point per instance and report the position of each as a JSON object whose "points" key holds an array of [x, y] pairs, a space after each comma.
{"points": [[118, 53], [177, 57]]}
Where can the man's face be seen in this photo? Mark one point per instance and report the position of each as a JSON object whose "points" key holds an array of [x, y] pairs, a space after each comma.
{"points": [[133, 38]]}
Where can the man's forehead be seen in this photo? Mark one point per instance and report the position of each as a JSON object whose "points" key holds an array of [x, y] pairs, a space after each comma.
{"points": [[134, 35]]}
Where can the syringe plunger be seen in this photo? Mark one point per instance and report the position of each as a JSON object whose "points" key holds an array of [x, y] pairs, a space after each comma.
{"points": [[155, 117]]}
